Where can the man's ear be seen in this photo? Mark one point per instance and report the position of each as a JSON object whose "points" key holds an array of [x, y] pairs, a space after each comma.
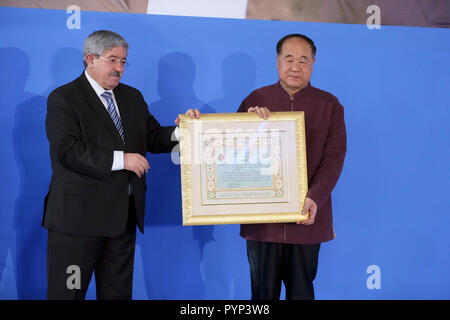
{"points": [[89, 59]]}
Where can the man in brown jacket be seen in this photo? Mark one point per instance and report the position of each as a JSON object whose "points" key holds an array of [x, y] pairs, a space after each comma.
{"points": [[289, 252]]}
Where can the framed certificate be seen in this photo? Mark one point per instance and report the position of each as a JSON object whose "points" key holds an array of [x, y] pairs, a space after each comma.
{"points": [[239, 168]]}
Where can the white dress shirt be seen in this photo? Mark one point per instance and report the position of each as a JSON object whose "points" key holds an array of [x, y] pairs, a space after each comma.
{"points": [[118, 161]]}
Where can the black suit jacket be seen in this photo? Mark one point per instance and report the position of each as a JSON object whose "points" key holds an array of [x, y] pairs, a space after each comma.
{"points": [[85, 196]]}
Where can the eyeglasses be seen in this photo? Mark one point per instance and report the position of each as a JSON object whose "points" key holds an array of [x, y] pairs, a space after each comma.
{"points": [[115, 61]]}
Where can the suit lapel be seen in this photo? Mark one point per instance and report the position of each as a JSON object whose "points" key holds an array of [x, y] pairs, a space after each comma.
{"points": [[125, 112], [94, 102]]}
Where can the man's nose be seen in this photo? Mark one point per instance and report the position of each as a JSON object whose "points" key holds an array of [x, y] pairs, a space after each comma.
{"points": [[295, 67], [119, 67]]}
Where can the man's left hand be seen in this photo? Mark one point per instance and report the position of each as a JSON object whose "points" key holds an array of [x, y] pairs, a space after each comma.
{"points": [[311, 207], [193, 113]]}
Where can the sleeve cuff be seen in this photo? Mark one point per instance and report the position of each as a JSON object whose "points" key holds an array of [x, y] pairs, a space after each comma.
{"points": [[118, 161], [176, 134]]}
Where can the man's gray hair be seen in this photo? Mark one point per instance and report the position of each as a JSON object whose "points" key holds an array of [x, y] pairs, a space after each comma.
{"points": [[100, 41]]}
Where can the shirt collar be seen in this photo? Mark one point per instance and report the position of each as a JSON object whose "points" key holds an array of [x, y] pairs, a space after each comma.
{"points": [[300, 93], [97, 88]]}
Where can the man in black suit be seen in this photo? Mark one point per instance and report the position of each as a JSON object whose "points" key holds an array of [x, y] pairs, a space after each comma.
{"points": [[99, 131]]}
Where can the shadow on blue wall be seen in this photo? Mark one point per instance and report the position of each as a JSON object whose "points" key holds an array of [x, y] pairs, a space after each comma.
{"points": [[16, 65], [177, 271], [176, 73], [162, 261], [34, 165], [28, 138], [224, 274], [236, 86]]}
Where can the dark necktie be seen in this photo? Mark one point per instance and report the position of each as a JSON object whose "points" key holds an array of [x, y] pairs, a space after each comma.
{"points": [[113, 113], [117, 122]]}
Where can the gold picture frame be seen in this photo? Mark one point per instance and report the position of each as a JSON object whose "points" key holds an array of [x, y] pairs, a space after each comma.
{"points": [[237, 168]]}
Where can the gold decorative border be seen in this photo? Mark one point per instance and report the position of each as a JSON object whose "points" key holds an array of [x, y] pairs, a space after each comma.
{"points": [[186, 178]]}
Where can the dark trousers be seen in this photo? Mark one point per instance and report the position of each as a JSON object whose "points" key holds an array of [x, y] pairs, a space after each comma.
{"points": [[272, 263], [72, 259]]}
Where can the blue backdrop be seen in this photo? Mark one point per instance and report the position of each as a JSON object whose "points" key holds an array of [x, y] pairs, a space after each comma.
{"points": [[391, 205]]}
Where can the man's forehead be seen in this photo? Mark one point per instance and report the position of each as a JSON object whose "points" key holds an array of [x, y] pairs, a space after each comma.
{"points": [[116, 52], [294, 45]]}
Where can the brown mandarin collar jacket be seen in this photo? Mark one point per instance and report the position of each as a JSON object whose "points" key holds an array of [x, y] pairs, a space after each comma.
{"points": [[326, 145]]}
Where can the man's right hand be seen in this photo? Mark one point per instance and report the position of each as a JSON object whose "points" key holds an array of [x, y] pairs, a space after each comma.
{"points": [[136, 163], [262, 112]]}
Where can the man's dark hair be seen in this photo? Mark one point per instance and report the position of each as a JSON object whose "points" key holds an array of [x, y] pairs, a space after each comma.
{"points": [[296, 35]]}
